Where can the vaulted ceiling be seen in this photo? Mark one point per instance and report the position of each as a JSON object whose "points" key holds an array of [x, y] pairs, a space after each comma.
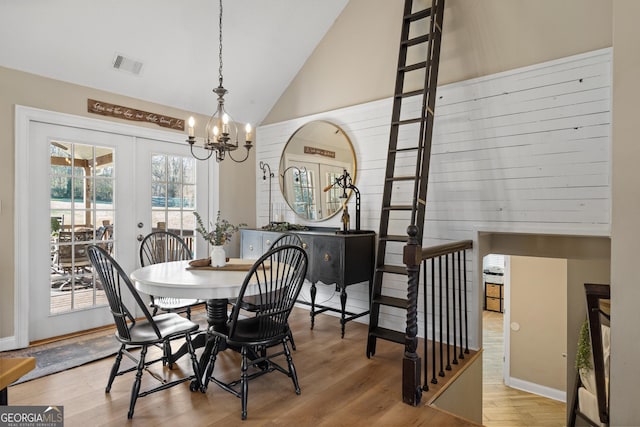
{"points": [[265, 43]]}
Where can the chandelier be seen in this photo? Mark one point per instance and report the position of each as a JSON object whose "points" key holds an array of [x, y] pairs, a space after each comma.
{"points": [[222, 132]]}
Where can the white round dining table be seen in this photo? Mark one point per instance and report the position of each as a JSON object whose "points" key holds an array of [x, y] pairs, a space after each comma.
{"points": [[175, 279]]}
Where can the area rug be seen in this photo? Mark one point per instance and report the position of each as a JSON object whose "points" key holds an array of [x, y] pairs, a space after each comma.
{"points": [[66, 354], [69, 353]]}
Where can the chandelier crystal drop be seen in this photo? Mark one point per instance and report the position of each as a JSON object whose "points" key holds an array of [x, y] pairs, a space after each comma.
{"points": [[222, 136]]}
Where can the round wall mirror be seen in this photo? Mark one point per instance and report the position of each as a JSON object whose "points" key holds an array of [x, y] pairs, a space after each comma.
{"points": [[315, 155]]}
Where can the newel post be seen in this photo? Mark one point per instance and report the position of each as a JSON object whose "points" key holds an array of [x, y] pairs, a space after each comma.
{"points": [[412, 257]]}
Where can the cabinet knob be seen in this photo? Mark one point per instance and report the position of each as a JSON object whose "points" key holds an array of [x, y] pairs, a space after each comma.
{"points": [[268, 242], [327, 257], [251, 247], [304, 245]]}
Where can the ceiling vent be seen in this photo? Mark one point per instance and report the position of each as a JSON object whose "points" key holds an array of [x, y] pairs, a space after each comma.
{"points": [[123, 63]]}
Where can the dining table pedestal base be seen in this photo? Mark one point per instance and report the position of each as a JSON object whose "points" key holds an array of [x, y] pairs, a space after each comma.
{"points": [[217, 317]]}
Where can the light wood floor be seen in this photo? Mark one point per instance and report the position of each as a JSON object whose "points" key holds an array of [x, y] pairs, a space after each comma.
{"points": [[340, 387], [504, 406]]}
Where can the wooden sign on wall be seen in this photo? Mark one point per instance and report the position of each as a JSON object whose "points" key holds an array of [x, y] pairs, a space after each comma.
{"points": [[321, 151], [126, 113]]}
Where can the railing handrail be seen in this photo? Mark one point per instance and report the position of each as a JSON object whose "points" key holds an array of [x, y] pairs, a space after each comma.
{"points": [[446, 248]]}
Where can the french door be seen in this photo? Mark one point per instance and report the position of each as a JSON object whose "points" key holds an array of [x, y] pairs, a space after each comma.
{"points": [[173, 188], [97, 187]]}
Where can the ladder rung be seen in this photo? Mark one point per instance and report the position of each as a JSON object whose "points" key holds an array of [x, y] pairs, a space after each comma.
{"points": [[401, 178], [413, 67], [416, 40], [398, 208], [400, 150], [395, 238], [410, 93], [388, 334], [391, 301], [421, 14], [394, 269], [407, 121]]}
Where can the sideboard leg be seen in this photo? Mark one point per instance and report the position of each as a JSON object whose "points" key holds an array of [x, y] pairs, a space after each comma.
{"points": [[313, 303], [343, 304]]}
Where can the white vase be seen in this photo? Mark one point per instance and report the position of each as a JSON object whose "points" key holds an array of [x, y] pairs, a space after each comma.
{"points": [[218, 256]]}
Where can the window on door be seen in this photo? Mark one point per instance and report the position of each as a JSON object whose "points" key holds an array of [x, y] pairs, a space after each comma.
{"points": [[81, 213], [173, 195], [333, 197], [304, 188]]}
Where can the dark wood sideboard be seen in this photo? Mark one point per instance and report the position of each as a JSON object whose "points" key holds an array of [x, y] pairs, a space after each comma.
{"points": [[335, 258]]}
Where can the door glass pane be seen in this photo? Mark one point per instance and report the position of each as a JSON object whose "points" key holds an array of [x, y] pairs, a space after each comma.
{"points": [[173, 194], [81, 211], [189, 196], [333, 198], [188, 171], [304, 194], [158, 168]]}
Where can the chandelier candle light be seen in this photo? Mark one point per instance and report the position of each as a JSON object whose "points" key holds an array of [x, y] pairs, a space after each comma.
{"points": [[222, 132]]}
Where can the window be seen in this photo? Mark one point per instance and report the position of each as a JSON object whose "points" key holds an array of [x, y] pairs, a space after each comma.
{"points": [[173, 195], [81, 213]]}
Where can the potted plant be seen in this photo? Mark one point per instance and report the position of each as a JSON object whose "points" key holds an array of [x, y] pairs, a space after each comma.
{"points": [[584, 364], [219, 234], [583, 354]]}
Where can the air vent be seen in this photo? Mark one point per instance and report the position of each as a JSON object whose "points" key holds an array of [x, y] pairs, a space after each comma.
{"points": [[123, 63]]}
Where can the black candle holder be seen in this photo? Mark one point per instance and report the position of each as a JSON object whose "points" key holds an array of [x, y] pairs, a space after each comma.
{"points": [[266, 171], [345, 182]]}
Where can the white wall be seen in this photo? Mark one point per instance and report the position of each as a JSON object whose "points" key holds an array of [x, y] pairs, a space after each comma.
{"points": [[525, 151]]}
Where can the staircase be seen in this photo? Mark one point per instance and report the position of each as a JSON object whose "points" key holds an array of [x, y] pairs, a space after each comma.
{"points": [[407, 170]]}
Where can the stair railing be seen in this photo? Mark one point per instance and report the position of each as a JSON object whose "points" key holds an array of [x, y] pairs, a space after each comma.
{"points": [[446, 314]]}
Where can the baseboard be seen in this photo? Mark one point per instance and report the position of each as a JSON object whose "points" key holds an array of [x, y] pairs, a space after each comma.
{"points": [[540, 390]]}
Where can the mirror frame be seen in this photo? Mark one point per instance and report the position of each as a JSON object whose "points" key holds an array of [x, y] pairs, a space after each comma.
{"points": [[319, 187]]}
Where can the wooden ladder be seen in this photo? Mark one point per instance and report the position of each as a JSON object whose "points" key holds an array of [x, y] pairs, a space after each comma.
{"points": [[409, 142]]}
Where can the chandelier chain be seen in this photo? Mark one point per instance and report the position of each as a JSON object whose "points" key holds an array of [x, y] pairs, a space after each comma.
{"points": [[221, 132], [220, 46]]}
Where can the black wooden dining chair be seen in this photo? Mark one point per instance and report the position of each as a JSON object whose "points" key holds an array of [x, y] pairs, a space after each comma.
{"points": [[132, 333], [275, 279], [250, 302], [164, 246]]}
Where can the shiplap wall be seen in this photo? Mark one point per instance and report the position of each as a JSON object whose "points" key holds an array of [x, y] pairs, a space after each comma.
{"points": [[524, 151]]}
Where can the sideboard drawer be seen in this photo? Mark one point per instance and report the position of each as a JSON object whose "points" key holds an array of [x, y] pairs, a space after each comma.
{"points": [[254, 243], [327, 260], [250, 244], [267, 240]]}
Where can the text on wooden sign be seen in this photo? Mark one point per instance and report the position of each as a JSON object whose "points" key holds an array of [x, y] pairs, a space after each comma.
{"points": [[320, 151], [126, 113]]}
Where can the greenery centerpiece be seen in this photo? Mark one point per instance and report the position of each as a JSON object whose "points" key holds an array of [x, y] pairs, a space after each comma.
{"points": [[219, 234], [583, 354]]}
